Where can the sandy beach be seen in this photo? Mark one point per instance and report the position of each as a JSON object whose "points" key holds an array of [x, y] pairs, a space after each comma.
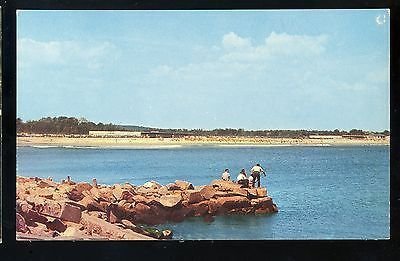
{"points": [[59, 141]]}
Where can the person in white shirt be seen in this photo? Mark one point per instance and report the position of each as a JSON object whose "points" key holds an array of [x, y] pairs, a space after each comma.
{"points": [[242, 178], [251, 181], [256, 171], [226, 176]]}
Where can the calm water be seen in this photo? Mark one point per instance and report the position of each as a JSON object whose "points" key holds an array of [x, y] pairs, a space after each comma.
{"points": [[321, 192]]}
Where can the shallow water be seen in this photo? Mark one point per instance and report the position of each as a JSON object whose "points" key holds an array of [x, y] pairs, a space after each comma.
{"points": [[321, 192]]}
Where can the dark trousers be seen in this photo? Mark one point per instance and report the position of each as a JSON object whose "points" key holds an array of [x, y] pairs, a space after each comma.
{"points": [[256, 176], [244, 182]]}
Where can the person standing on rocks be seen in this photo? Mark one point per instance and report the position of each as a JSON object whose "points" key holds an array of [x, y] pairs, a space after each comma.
{"points": [[256, 171], [226, 176], [242, 178]]}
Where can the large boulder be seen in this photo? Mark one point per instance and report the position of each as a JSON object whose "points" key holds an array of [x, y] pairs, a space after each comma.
{"points": [[75, 195], [56, 225], [45, 183], [199, 209], [261, 192], [170, 201], [223, 205], [193, 196], [71, 213], [184, 185], [151, 185], [83, 186], [20, 224], [90, 204], [207, 192]]}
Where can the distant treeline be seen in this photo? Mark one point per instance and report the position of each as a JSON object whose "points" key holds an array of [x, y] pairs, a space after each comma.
{"points": [[271, 133], [71, 125], [62, 125]]}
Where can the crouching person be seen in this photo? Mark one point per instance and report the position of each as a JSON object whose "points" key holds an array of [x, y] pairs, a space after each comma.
{"points": [[242, 179]]}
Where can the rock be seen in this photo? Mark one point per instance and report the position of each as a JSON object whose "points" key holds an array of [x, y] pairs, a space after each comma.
{"points": [[20, 224], [72, 232], [117, 192], [71, 213], [252, 193], [33, 216], [163, 190], [199, 209], [172, 186], [95, 193], [224, 204], [46, 184], [179, 215], [128, 224], [151, 185], [141, 209], [170, 201], [90, 204], [261, 192], [193, 196], [184, 185], [126, 195], [207, 192], [112, 218], [56, 225], [83, 186], [103, 228], [49, 207], [75, 195], [142, 199], [46, 193]]}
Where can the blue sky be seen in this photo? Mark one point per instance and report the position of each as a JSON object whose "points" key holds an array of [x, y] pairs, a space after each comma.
{"points": [[315, 69]]}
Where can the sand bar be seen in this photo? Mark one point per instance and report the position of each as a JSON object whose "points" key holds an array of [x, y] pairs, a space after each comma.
{"points": [[84, 142]]}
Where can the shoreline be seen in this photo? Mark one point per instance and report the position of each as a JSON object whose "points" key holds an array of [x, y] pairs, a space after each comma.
{"points": [[157, 143]]}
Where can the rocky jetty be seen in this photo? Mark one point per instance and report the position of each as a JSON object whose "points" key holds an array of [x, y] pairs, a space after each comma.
{"points": [[80, 210]]}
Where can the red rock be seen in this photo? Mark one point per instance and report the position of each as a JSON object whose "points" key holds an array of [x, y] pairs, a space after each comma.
{"points": [[71, 213], [56, 225], [170, 200], [207, 192], [103, 228], [20, 224], [46, 184], [184, 185], [33, 216], [112, 218], [199, 209], [163, 190], [142, 199], [50, 208], [194, 196], [127, 195], [172, 186], [117, 192], [46, 193], [261, 192], [225, 204], [252, 193], [83, 186], [178, 215], [141, 208], [75, 195], [88, 203]]}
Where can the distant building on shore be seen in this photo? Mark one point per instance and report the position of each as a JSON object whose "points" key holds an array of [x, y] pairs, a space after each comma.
{"points": [[324, 136], [119, 134]]}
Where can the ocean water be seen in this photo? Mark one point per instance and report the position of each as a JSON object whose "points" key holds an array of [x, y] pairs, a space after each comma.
{"points": [[321, 192]]}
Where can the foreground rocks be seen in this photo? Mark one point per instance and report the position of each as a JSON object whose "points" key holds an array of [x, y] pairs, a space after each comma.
{"points": [[79, 211]]}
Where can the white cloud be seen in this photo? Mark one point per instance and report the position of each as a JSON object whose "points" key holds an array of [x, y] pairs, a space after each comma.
{"points": [[232, 40], [278, 45], [32, 53]]}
